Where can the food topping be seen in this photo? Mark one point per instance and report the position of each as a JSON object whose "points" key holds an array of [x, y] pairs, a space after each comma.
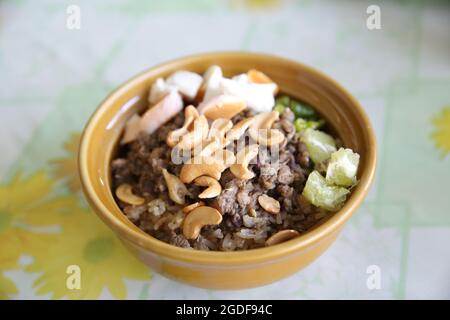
{"points": [[269, 204], [177, 189], [125, 193], [198, 218], [282, 236]]}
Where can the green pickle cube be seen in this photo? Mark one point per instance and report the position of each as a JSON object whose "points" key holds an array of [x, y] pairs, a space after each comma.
{"points": [[322, 195], [342, 168], [319, 144]]}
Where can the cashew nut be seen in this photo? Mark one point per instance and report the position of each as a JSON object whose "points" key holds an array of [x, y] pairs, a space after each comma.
{"points": [[223, 106], [225, 156], [193, 138], [260, 130], [125, 194], [198, 218], [214, 188], [243, 158], [269, 204], [192, 206], [265, 120], [208, 147], [177, 189], [219, 128], [239, 129], [282, 236], [201, 166], [190, 114], [270, 137]]}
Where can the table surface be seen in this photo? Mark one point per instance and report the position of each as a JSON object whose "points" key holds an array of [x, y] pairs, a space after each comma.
{"points": [[54, 77]]}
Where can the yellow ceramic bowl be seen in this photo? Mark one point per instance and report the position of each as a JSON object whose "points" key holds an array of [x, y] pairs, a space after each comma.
{"points": [[225, 270]]}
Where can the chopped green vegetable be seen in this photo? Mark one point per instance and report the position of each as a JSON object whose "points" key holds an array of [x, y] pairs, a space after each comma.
{"points": [[342, 168], [280, 108], [319, 144], [322, 195], [302, 124], [302, 110], [313, 124], [283, 100]]}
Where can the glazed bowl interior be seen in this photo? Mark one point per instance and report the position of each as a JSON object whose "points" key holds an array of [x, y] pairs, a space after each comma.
{"points": [[100, 139]]}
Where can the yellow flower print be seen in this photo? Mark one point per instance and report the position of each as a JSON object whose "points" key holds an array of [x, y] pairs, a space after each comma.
{"points": [[255, 4], [441, 135], [67, 168], [85, 242], [7, 287], [21, 200]]}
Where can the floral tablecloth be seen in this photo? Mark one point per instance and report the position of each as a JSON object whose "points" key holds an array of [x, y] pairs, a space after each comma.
{"points": [[53, 76]]}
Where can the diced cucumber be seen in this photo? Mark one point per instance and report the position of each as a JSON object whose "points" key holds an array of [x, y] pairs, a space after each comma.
{"points": [[342, 167], [319, 144], [322, 195]]}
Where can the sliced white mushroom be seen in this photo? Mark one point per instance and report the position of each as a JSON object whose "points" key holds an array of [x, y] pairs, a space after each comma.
{"points": [[159, 90], [259, 96], [211, 82], [131, 129], [241, 78], [186, 82], [255, 76], [161, 112]]}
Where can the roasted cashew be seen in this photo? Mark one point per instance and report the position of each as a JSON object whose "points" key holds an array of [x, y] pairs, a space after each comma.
{"points": [[214, 188], [243, 158], [196, 136], [269, 204], [282, 236], [208, 147], [223, 106], [190, 114], [177, 189], [226, 157], [198, 218], [264, 120], [260, 130], [270, 137], [125, 194], [201, 166], [219, 128], [192, 206], [239, 129]]}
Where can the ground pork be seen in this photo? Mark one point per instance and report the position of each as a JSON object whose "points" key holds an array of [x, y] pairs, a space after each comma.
{"points": [[245, 224]]}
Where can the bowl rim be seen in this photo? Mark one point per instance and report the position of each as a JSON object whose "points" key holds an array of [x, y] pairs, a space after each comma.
{"points": [[306, 240]]}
